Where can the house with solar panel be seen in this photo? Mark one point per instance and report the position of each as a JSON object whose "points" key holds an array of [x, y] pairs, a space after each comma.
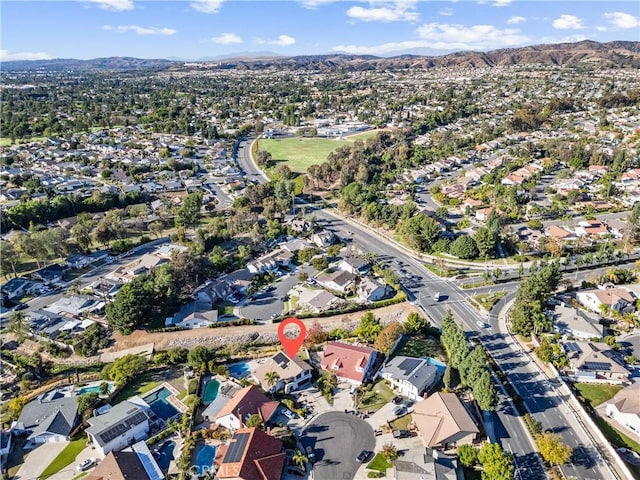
{"points": [[50, 417], [293, 373], [119, 427], [251, 455], [594, 361], [135, 462], [410, 377]]}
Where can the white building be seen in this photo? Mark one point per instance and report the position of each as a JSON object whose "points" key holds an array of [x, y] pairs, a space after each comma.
{"points": [[118, 428], [624, 408], [410, 377], [293, 373]]}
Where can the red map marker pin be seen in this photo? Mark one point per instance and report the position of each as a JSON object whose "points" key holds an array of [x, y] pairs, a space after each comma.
{"points": [[292, 345]]}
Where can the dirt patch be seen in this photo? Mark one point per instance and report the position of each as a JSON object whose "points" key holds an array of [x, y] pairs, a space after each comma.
{"points": [[260, 334]]}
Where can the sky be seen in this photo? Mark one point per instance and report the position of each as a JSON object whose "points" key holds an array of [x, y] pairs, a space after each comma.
{"points": [[197, 29]]}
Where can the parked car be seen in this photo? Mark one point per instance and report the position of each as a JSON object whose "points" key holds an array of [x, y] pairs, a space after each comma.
{"points": [[86, 464], [363, 456], [399, 410], [436, 297], [21, 306], [397, 400], [288, 413], [481, 324], [310, 454]]}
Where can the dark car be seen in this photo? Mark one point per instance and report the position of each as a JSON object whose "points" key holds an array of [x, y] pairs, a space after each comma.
{"points": [[362, 457], [397, 400], [21, 306], [310, 454]]}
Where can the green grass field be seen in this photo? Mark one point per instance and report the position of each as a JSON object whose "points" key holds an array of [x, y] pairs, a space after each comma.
{"points": [[300, 153], [379, 463], [597, 394], [65, 458]]}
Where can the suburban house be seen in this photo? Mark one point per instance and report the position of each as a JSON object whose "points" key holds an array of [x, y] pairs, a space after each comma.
{"points": [[136, 463], [317, 300], [354, 264], [424, 464], [340, 281], [117, 428], [617, 299], [577, 323], [351, 363], [226, 391], [560, 233], [5, 445], [144, 264], [50, 274], [270, 261], [594, 361], [410, 377], [251, 455], [624, 408], [323, 239], [370, 290], [17, 287], [292, 373], [195, 314], [444, 422], [248, 401], [50, 417]]}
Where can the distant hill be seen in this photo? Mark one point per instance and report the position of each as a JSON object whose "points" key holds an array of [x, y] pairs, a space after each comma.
{"points": [[611, 54]]}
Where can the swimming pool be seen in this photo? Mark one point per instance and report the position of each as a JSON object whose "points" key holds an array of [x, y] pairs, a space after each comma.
{"points": [[158, 402], [93, 389], [441, 367], [204, 458], [239, 370], [211, 391], [164, 455]]}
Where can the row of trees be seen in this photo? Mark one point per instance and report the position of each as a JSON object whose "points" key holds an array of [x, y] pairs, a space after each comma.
{"points": [[468, 367]]}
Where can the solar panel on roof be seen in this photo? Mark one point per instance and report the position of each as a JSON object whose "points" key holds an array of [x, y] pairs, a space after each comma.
{"points": [[281, 359], [572, 347], [597, 366], [236, 448], [408, 365]]}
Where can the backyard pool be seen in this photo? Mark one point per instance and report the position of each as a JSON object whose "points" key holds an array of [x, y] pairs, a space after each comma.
{"points": [[204, 458], [211, 391], [158, 402], [164, 455], [441, 367], [93, 389], [239, 370]]}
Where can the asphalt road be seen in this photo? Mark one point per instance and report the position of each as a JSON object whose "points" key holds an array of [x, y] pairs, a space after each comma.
{"points": [[337, 438], [540, 398]]}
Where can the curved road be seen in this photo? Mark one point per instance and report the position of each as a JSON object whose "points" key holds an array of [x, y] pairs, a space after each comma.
{"points": [[337, 438]]}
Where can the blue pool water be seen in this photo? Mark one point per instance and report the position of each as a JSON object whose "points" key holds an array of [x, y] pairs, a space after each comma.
{"points": [[205, 457], [211, 391], [93, 389], [441, 367], [238, 370], [160, 405], [165, 455]]}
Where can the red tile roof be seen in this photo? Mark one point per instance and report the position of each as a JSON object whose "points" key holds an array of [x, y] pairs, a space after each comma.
{"points": [[347, 361], [261, 459], [248, 401]]}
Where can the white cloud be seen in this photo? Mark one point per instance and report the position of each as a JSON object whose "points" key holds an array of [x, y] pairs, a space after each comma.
{"points": [[566, 39], [384, 49], [206, 6], [226, 39], [283, 41], [5, 56], [622, 20], [601, 28], [450, 36], [567, 22], [501, 3], [140, 30], [312, 4], [446, 12], [516, 20], [117, 5], [401, 11]]}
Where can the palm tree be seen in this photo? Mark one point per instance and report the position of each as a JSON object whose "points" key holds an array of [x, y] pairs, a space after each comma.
{"points": [[299, 458], [18, 323], [271, 378]]}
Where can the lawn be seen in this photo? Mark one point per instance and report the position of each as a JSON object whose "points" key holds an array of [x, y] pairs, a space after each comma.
{"points": [[488, 300], [225, 310], [379, 463], [65, 458], [376, 398], [597, 394], [616, 437], [401, 423], [420, 347], [141, 386]]}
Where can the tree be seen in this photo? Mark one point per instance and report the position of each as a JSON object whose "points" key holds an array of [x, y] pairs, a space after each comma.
{"points": [[467, 455], [18, 324], [125, 369], [552, 449], [389, 452], [299, 458], [442, 212], [303, 276], [81, 231], [15, 406], [420, 231], [199, 355], [486, 241], [93, 339], [464, 247], [327, 382], [484, 392], [415, 324], [545, 350], [129, 307], [315, 334], [9, 258], [188, 214], [388, 337], [86, 401], [320, 263], [271, 378], [451, 378], [368, 328], [254, 421], [535, 224], [496, 464]]}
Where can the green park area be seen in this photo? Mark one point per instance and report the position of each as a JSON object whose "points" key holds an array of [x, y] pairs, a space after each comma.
{"points": [[299, 153]]}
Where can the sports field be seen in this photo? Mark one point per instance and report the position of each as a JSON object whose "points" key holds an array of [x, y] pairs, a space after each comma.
{"points": [[299, 153]]}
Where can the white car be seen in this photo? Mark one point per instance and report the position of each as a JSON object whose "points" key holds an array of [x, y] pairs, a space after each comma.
{"points": [[86, 464], [481, 324], [288, 413]]}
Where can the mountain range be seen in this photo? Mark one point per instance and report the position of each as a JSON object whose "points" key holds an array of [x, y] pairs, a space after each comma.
{"points": [[611, 54]]}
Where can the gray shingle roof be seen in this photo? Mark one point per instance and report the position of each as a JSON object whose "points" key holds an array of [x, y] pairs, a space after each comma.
{"points": [[50, 412], [417, 371]]}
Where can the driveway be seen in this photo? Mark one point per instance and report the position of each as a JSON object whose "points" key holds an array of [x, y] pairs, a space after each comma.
{"points": [[337, 438], [39, 459], [88, 452]]}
